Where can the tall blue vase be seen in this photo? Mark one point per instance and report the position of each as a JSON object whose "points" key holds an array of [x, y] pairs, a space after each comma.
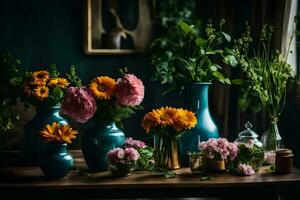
{"points": [[56, 162], [33, 145], [197, 101], [97, 140]]}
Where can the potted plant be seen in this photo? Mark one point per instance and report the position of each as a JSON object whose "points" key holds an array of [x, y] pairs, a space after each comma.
{"points": [[267, 73], [106, 102], [186, 60]]}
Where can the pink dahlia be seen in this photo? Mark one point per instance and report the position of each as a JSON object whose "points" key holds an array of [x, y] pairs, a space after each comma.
{"points": [[129, 90], [79, 104], [269, 157]]}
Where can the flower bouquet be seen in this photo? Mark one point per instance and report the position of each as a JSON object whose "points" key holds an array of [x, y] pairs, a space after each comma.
{"points": [[55, 160], [168, 124], [218, 152], [122, 160]]}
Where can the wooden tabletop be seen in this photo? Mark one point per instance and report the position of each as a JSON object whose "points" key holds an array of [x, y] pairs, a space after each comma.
{"points": [[28, 178]]}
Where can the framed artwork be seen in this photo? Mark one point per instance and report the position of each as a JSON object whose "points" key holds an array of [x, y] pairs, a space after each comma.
{"points": [[118, 26]]}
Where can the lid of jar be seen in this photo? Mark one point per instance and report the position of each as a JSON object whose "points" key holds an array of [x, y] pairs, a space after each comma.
{"points": [[284, 153], [248, 132]]}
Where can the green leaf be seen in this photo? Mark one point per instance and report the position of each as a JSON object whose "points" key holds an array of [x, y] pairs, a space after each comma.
{"points": [[231, 60], [57, 93], [226, 36], [218, 75], [213, 68], [213, 52], [207, 178], [169, 174], [227, 80], [185, 27], [200, 42], [237, 81]]}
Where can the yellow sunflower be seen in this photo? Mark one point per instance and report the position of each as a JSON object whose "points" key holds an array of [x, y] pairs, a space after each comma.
{"points": [[184, 119], [103, 87], [41, 92], [165, 115], [57, 132], [149, 121], [60, 82], [40, 77]]}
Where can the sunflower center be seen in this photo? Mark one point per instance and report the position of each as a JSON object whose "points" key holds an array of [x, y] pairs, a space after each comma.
{"points": [[165, 117], [42, 91], [40, 76], [102, 87]]}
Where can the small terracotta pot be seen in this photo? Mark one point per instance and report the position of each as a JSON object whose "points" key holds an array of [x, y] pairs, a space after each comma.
{"points": [[284, 161]]}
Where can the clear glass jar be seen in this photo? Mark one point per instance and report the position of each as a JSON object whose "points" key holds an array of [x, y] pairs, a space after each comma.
{"points": [[246, 135]]}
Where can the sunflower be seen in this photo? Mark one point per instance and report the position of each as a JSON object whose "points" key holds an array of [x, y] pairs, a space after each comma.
{"points": [[60, 82], [165, 115], [103, 87], [184, 119], [40, 78], [149, 121], [59, 133], [41, 92]]}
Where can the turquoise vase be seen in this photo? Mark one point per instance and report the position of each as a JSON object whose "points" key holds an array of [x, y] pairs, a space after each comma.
{"points": [[56, 162], [33, 143], [197, 101], [97, 140]]}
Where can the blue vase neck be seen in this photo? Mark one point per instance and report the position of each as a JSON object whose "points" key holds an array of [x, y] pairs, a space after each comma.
{"points": [[45, 109], [197, 95], [57, 147]]}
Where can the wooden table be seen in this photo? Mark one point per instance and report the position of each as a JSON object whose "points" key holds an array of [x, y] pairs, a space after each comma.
{"points": [[28, 180]]}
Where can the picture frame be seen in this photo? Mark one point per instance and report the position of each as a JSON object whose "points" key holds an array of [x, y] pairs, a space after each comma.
{"points": [[116, 27]]}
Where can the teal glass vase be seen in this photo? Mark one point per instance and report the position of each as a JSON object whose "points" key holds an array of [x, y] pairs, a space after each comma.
{"points": [[56, 162], [197, 101], [97, 140], [33, 144]]}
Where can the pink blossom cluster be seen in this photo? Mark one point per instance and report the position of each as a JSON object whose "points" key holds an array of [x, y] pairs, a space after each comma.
{"points": [[219, 149], [137, 144], [123, 155], [269, 157], [79, 104], [245, 169], [129, 90]]}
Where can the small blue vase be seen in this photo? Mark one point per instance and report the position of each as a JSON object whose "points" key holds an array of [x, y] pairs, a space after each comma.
{"points": [[56, 161], [97, 140], [197, 101], [33, 144]]}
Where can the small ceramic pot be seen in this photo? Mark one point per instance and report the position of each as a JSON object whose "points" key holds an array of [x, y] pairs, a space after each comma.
{"points": [[197, 164], [284, 161], [216, 165]]}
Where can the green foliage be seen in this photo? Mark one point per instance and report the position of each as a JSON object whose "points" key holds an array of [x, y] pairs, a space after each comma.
{"points": [[73, 77], [267, 71], [145, 161], [188, 53], [11, 77]]}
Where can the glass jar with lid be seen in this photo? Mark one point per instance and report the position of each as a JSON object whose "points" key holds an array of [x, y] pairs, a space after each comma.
{"points": [[246, 135], [250, 148]]}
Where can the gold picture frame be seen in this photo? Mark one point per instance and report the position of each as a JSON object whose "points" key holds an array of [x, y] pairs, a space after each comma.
{"points": [[96, 35]]}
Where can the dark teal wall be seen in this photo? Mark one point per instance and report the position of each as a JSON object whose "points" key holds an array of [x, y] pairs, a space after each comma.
{"points": [[42, 32]]}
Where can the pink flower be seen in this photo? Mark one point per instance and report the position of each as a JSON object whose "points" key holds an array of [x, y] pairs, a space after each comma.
{"points": [[79, 104], [129, 142], [131, 154], [245, 169], [250, 144], [219, 149], [269, 157], [129, 90]]}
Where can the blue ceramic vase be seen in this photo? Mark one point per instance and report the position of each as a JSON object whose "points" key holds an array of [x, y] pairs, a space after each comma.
{"points": [[197, 101], [33, 144], [97, 140], [56, 161]]}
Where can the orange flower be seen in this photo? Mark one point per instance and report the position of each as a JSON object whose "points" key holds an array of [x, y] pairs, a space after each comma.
{"points": [[40, 78], [59, 133], [103, 87], [41, 93], [60, 82], [149, 121], [165, 115], [184, 119]]}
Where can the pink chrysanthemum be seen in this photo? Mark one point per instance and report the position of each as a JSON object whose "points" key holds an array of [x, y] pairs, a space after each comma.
{"points": [[129, 90], [79, 104], [245, 169], [129, 142]]}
